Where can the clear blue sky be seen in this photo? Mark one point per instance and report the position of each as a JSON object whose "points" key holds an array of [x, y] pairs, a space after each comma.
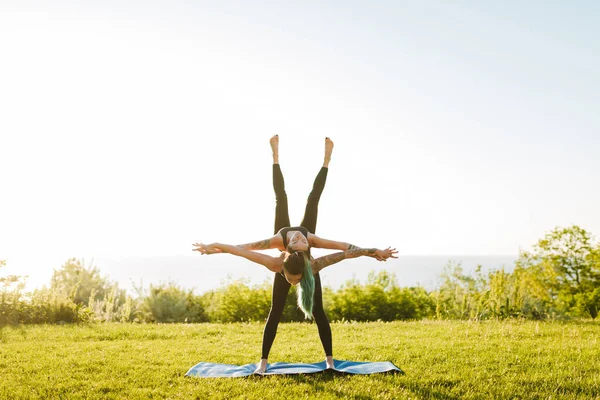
{"points": [[137, 128]]}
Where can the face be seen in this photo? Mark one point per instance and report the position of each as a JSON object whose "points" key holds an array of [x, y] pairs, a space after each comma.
{"points": [[293, 279], [298, 242]]}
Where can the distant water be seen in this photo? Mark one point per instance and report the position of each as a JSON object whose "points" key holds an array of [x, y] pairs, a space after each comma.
{"points": [[203, 273]]}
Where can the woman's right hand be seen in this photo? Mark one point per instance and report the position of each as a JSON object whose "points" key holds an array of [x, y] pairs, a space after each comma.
{"points": [[212, 248]]}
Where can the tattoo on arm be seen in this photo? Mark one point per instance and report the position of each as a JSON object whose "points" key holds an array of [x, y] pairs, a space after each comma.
{"points": [[260, 245], [322, 262], [357, 252], [352, 247]]}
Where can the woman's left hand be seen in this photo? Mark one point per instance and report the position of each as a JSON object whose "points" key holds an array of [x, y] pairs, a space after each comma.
{"points": [[383, 255], [202, 248]]}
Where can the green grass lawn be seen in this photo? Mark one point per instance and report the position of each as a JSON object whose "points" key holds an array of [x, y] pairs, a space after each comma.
{"points": [[442, 360]]}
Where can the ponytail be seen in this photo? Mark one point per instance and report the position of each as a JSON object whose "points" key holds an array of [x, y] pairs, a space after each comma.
{"points": [[306, 289]]}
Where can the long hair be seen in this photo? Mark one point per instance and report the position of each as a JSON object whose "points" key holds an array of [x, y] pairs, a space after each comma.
{"points": [[299, 263]]}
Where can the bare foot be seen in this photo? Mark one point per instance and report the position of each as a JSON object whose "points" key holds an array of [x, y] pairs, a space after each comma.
{"points": [[262, 368], [329, 362], [328, 151], [274, 142]]}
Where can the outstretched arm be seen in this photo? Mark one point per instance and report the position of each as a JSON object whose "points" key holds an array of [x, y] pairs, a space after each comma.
{"points": [[322, 262], [321, 243], [272, 263], [271, 243]]}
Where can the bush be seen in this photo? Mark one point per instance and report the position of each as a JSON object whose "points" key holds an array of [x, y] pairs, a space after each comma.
{"points": [[380, 299], [236, 302], [112, 308], [48, 306], [167, 302], [41, 306]]}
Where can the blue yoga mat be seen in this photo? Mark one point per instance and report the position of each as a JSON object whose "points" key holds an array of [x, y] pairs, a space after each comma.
{"points": [[211, 370]]}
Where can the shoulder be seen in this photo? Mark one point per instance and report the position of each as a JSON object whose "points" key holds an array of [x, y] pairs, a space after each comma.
{"points": [[277, 240], [316, 265], [277, 264]]}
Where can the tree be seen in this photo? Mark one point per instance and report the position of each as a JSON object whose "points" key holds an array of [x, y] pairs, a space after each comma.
{"points": [[570, 263], [79, 283]]}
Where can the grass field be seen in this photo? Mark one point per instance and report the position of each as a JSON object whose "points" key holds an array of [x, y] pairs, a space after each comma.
{"points": [[442, 360]]}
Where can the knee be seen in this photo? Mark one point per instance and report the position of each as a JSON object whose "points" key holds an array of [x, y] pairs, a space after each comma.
{"points": [[272, 323], [314, 198], [275, 313]]}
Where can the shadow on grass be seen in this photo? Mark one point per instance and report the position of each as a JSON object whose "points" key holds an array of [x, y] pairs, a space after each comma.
{"points": [[319, 383]]}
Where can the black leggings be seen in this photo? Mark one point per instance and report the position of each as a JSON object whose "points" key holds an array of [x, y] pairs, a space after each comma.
{"points": [[280, 285]]}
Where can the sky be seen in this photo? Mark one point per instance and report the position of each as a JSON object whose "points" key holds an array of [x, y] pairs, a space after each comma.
{"points": [[133, 129]]}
